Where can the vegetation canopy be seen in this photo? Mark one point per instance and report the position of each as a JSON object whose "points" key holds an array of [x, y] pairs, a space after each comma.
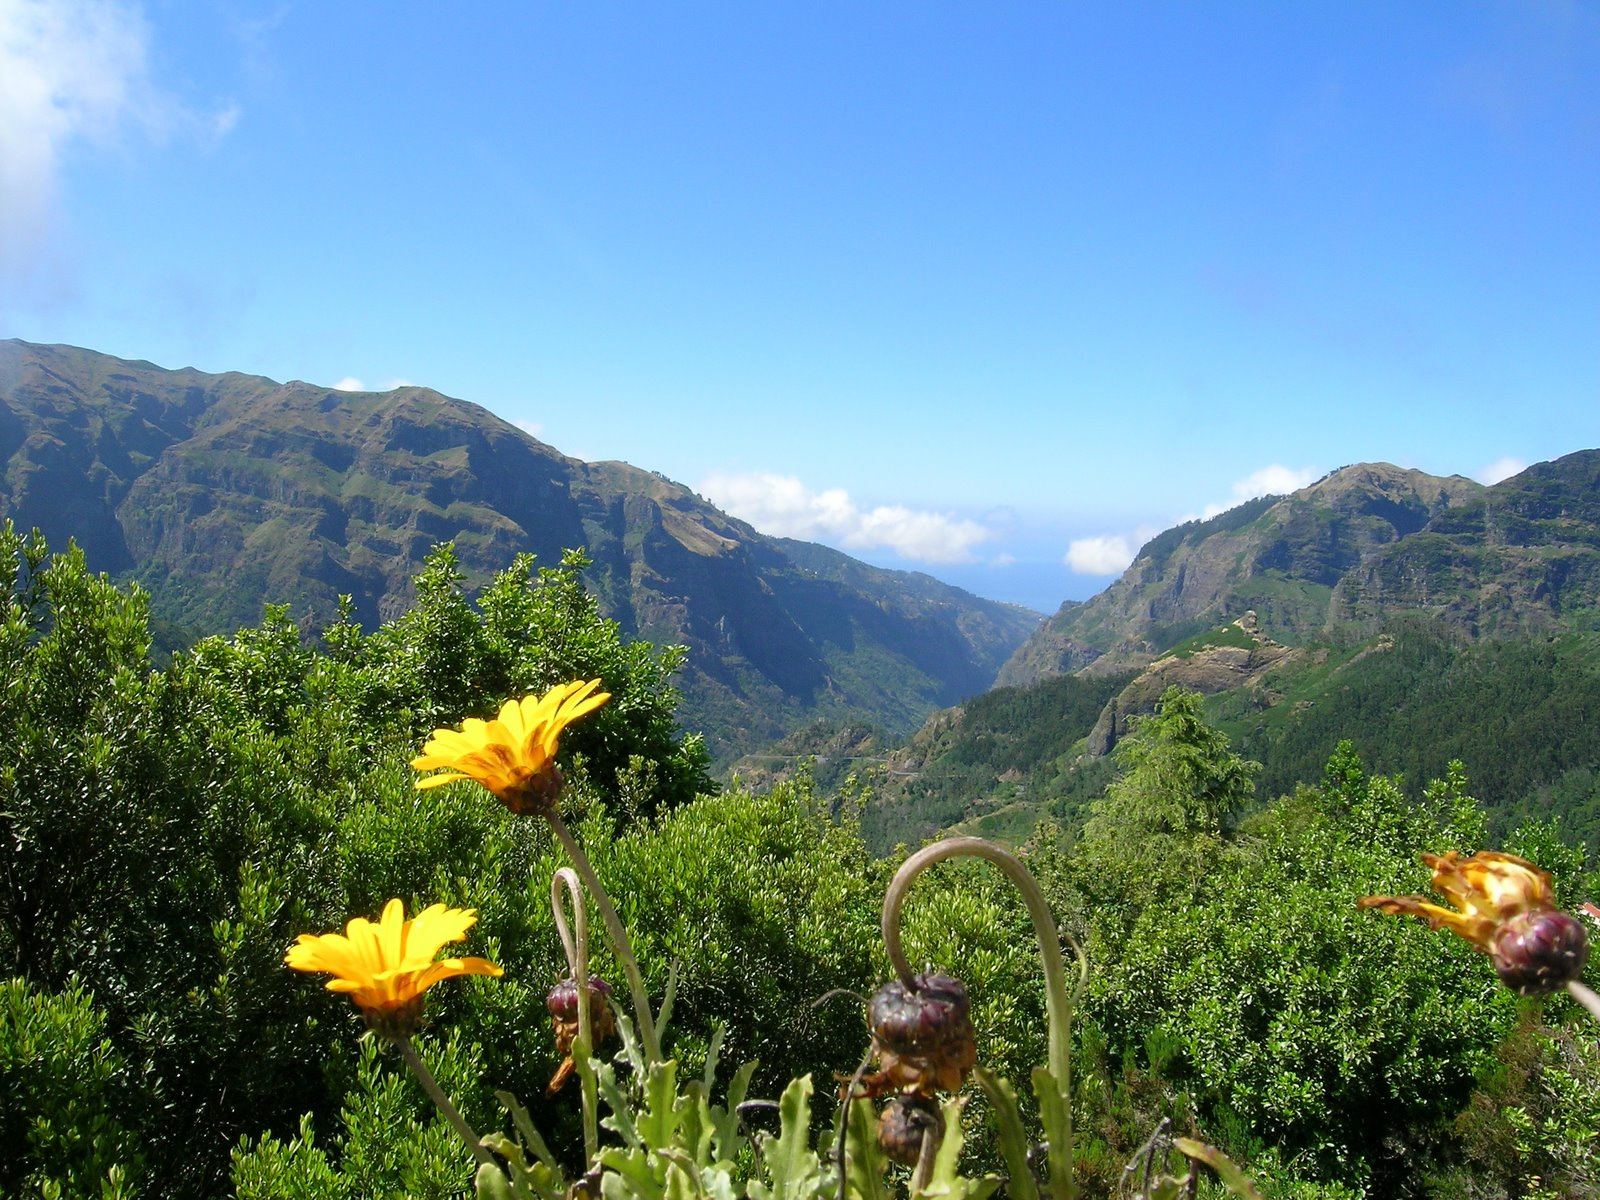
{"points": [[172, 831]]}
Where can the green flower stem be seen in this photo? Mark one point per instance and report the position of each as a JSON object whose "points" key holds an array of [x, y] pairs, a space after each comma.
{"points": [[577, 948], [440, 1100], [1059, 1001], [1585, 997], [619, 936]]}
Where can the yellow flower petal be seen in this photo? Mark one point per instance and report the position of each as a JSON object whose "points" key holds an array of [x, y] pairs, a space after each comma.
{"points": [[386, 967], [514, 754]]}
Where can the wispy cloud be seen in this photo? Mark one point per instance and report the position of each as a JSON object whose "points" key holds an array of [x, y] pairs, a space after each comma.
{"points": [[1275, 480], [1503, 467], [1111, 553], [784, 506], [531, 428], [72, 70], [353, 383]]}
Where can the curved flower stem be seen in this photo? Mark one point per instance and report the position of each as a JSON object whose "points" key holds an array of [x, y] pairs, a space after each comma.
{"points": [[577, 949], [1059, 1000], [1585, 997], [440, 1100], [619, 936]]}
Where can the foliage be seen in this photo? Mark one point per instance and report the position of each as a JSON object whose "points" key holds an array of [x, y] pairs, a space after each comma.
{"points": [[1523, 716], [1009, 746], [1533, 1128], [65, 1123], [170, 831], [441, 661], [1262, 993], [1158, 828]]}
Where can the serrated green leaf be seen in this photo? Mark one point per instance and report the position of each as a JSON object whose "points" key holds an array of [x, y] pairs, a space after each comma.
{"points": [[528, 1181], [660, 1118], [1233, 1178], [713, 1054], [665, 1013], [682, 1179], [864, 1160], [632, 1174], [695, 1123], [525, 1128], [490, 1183], [1013, 1137], [728, 1138], [621, 1119], [1055, 1114], [945, 1181], [792, 1167]]}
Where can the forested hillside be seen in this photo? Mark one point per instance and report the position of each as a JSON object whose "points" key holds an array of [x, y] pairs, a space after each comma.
{"points": [[221, 492], [172, 831], [1522, 715], [1357, 549]]}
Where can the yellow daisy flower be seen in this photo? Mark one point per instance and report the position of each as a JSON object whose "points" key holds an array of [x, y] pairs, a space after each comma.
{"points": [[514, 754], [385, 968], [1505, 906]]}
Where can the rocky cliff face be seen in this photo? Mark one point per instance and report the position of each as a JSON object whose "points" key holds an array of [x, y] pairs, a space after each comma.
{"points": [[1280, 556], [1520, 558], [1235, 656], [220, 492]]}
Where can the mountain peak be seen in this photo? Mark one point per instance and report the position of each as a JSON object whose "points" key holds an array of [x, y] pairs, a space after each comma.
{"points": [[1335, 552], [221, 492]]}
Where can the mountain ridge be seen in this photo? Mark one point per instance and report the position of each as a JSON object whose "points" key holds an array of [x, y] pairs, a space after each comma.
{"points": [[217, 492], [1350, 551]]}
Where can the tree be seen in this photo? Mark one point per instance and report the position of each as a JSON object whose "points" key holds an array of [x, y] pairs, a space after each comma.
{"points": [[1149, 837]]}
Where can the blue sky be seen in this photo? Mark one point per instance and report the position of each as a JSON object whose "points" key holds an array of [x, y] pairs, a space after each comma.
{"points": [[993, 291]]}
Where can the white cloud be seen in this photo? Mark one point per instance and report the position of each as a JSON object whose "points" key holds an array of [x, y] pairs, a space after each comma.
{"points": [[71, 70], [1501, 468], [66, 71], [531, 428], [397, 383], [1108, 554], [1111, 553], [783, 506], [1275, 480], [349, 384]]}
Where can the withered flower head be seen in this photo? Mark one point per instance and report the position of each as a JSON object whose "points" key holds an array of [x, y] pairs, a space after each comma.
{"points": [[1505, 906], [903, 1124], [562, 1001], [922, 1036], [514, 755]]}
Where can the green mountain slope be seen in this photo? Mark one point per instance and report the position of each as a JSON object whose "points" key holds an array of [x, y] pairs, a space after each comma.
{"points": [[1349, 553], [1424, 619], [220, 492]]}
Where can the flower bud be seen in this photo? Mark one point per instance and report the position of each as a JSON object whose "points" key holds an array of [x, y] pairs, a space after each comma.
{"points": [[923, 1034], [1539, 952], [903, 1124], [562, 1001]]}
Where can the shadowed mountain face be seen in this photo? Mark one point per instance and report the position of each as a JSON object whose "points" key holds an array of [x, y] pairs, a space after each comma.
{"points": [[222, 492], [1359, 547]]}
